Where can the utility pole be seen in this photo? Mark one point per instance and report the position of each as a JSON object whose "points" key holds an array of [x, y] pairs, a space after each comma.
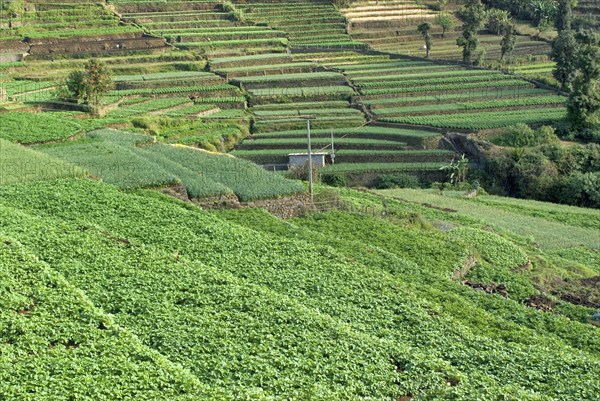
{"points": [[310, 162], [332, 149]]}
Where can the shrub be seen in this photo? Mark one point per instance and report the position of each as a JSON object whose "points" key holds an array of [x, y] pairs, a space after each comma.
{"points": [[301, 172], [336, 179], [522, 135], [397, 180]]}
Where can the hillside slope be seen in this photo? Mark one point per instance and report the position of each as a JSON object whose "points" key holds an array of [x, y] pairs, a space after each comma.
{"points": [[335, 306]]}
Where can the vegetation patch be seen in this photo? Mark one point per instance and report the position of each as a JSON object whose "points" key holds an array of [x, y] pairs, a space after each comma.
{"points": [[29, 128]]}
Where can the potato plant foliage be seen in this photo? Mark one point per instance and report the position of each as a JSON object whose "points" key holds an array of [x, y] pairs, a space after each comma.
{"points": [[56, 343], [316, 308]]}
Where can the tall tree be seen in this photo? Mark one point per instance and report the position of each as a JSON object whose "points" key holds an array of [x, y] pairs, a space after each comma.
{"points": [[497, 19], [564, 51], [12, 7], [509, 39], [564, 47], [564, 15], [442, 4], [473, 15], [584, 99], [425, 30], [89, 85]]}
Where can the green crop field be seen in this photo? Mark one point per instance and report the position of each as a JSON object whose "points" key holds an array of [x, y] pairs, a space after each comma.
{"points": [[40, 127], [552, 226], [62, 321], [197, 288], [158, 243], [18, 163], [133, 161]]}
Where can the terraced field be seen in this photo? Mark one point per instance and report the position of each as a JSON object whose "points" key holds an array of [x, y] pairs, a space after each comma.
{"points": [[200, 87], [309, 24], [398, 92], [207, 27], [70, 28], [391, 26], [280, 99], [157, 293], [132, 161], [286, 60], [448, 96], [113, 290], [589, 12]]}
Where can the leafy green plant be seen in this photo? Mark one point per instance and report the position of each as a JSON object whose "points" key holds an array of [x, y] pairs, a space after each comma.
{"points": [[398, 180], [457, 170], [522, 135], [30, 128]]}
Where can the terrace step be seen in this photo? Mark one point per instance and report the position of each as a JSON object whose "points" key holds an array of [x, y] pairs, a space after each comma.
{"points": [[159, 6], [295, 68], [351, 156], [43, 49], [341, 144], [228, 51], [295, 123], [323, 79]]}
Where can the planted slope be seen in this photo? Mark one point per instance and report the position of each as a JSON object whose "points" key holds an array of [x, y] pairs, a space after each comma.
{"points": [[132, 161], [28, 128], [552, 226], [56, 344], [18, 164], [295, 318]]}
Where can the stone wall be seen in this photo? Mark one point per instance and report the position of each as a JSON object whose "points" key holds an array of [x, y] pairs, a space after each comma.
{"points": [[285, 208]]}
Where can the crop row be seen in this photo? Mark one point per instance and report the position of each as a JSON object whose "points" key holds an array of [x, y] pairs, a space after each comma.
{"points": [[28, 128], [174, 89], [515, 92], [17, 87], [215, 43], [290, 77], [164, 76], [58, 343], [350, 69], [148, 106], [229, 99], [399, 74], [486, 104], [367, 167], [484, 120], [303, 91], [19, 164], [433, 81], [113, 157], [296, 112], [447, 87]]}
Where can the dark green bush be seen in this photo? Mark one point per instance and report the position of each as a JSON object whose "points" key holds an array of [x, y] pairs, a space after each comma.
{"points": [[335, 179], [397, 180], [522, 135]]}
